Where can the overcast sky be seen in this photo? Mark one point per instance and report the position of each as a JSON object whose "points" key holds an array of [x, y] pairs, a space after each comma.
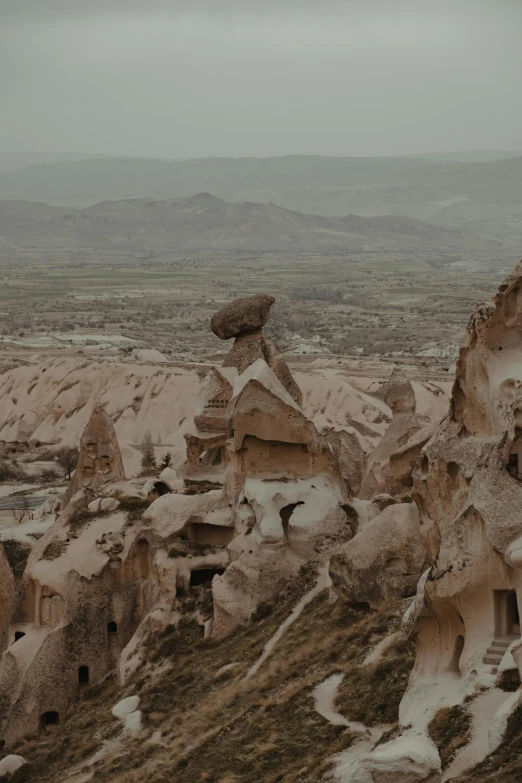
{"points": [[190, 78]]}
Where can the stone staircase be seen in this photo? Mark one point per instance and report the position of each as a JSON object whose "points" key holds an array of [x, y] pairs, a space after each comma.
{"points": [[495, 653]]}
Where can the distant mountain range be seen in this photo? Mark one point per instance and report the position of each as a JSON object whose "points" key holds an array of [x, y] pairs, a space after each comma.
{"points": [[480, 190], [204, 222]]}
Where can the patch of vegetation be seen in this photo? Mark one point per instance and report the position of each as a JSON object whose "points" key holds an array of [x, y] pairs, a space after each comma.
{"points": [[134, 506], [79, 520], [372, 694], [54, 550], [16, 553], [450, 730], [11, 471]]}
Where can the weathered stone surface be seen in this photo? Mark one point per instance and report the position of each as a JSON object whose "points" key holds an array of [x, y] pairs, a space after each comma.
{"points": [[384, 560], [100, 458], [399, 395], [249, 348], [242, 315]]}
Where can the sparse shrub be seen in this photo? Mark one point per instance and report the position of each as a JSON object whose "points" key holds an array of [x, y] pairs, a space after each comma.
{"points": [[54, 550], [148, 460], [48, 476], [67, 459], [166, 460], [11, 471]]}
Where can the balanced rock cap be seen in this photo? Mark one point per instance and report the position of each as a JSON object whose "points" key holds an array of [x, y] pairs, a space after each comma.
{"points": [[242, 315]]}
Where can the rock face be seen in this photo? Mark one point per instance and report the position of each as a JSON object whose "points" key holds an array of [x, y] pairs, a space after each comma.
{"points": [[100, 458], [468, 487], [384, 560], [242, 315], [390, 464]]}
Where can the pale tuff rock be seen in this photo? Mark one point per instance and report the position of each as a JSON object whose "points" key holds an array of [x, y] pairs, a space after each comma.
{"points": [[125, 707], [9, 764], [100, 459], [411, 758], [384, 559], [390, 464]]}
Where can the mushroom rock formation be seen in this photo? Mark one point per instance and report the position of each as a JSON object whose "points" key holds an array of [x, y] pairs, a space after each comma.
{"points": [[468, 487], [244, 319], [380, 475], [100, 458], [384, 560]]}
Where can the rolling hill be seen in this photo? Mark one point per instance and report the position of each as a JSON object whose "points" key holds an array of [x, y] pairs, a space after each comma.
{"points": [[205, 222], [485, 194]]}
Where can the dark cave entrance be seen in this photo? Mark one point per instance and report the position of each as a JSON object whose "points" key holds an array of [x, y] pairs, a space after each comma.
{"points": [[50, 719], [204, 576], [285, 514]]}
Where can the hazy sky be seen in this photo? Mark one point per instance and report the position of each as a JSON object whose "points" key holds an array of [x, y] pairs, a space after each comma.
{"points": [[187, 78]]}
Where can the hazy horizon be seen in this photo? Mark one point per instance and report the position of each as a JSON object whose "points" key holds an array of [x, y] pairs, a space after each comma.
{"points": [[184, 79]]}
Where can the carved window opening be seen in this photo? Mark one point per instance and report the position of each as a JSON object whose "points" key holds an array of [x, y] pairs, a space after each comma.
{"points": [[105, 464], [83, 675], [112, 628], [49, 719], [19, 635]]}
